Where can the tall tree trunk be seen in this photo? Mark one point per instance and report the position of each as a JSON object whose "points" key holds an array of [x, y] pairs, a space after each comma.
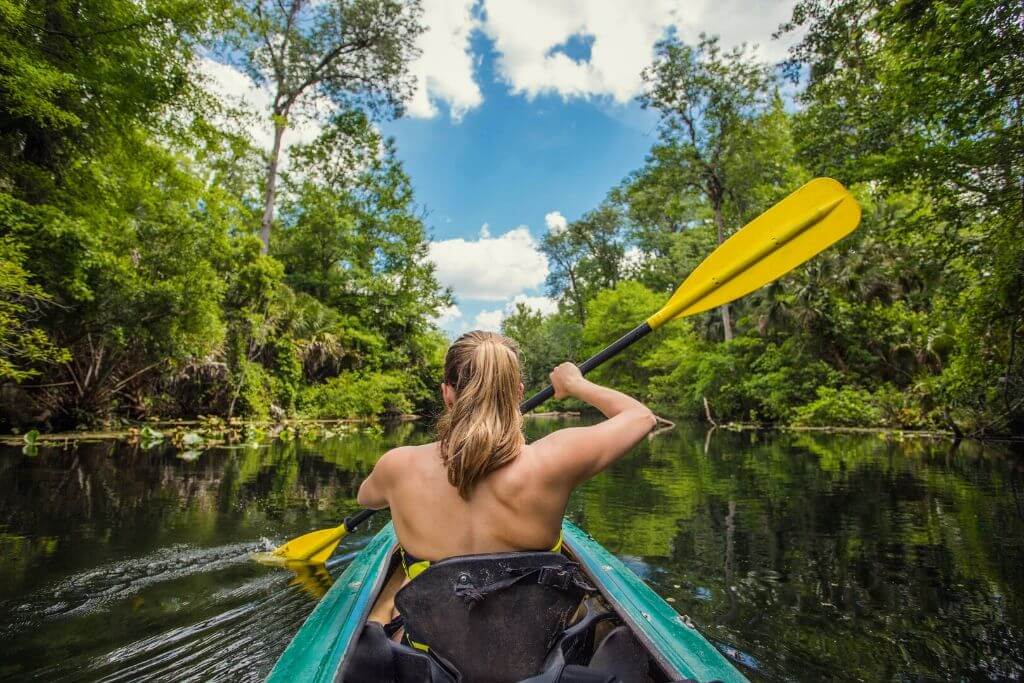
{"points": [[580, 314], [268, 200], [720, 227]]}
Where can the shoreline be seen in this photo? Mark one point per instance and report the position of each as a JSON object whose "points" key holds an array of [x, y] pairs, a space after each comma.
{"points": [[553, 414], [131, 431], [882, 431]]}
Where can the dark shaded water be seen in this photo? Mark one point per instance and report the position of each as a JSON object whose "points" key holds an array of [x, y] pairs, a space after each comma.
{"points": [[801, 556]]}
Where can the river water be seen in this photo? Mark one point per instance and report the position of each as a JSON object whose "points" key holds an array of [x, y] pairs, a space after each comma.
{"points": [[800, 556]]}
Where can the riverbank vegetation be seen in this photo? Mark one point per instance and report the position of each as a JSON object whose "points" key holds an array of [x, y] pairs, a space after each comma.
{"points": [[915, 321], [142, 273], [156, 262]]}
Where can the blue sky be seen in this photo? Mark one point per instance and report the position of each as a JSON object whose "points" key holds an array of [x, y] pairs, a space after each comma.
{"points": [[535, 113], [513, 160], [523, 116]]}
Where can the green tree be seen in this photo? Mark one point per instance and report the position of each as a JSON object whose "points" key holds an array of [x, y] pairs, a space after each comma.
{"points": [[930, 96], [132, 280], [671, 229], [119, 232], [73, 76], [132, 265], [353, 247], [675, 230], [352, 237], [347, 52], [586, 256], [612, 313], [23, 348], [544, 342], [706, 100]]}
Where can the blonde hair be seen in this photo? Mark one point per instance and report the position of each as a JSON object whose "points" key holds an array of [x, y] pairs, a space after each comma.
{"points": [[483, 429]]}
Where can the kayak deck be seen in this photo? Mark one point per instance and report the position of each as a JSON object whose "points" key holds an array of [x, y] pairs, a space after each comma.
{"points": [[326, 640]]}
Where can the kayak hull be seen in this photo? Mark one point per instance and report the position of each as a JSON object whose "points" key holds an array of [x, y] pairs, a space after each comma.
{"points": [[326, 640]]}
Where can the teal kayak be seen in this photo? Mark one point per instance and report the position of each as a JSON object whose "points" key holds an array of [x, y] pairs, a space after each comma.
{"points": [[324, 648]]}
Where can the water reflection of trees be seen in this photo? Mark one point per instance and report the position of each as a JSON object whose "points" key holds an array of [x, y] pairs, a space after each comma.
{"points": [[73, 502], [836, 555], [815, 555]]}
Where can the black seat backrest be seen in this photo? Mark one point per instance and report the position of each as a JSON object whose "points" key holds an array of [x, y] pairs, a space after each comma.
{"points": [[378, 659], [494, 617], [622, 655]]}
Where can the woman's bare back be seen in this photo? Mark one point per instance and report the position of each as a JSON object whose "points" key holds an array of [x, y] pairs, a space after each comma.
{"points": [[513, 508], [518, 506]]}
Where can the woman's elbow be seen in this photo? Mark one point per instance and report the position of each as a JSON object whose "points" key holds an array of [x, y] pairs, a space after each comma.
{"points": [[366, 497], [646, 417]]}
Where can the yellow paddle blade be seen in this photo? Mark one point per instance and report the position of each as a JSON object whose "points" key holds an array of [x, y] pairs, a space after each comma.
{"points": [[315, 547], [810, 220], [314, 579]]}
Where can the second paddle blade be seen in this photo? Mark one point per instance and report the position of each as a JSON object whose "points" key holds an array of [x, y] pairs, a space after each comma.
{"points": [[314, 548]]}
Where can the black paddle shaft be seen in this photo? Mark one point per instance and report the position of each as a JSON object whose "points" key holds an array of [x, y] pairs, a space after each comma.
{"points": [[612, 350], [355, 520]]}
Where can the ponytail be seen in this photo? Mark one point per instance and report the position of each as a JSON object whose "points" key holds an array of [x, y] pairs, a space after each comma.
{"points": [[483, 429]]}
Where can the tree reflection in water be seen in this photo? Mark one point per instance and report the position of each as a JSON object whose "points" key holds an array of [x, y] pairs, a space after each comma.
{"points": [[802, 556]]}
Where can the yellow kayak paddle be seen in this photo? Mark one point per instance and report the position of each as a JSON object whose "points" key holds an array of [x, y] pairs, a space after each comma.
{"points": [[799, 227]]}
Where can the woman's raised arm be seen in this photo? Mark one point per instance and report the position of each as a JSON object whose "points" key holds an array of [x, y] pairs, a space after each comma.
{"points": [[576, 454]]}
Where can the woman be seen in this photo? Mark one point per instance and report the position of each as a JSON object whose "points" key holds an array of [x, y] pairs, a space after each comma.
{"points": [[480, 488]]}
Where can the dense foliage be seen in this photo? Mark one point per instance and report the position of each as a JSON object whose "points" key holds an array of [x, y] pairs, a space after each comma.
{"points": [[915, 321], [138, 276], [132, 278]]}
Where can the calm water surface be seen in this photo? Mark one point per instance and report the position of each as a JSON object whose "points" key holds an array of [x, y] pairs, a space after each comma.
{"points": [[801, 557]]}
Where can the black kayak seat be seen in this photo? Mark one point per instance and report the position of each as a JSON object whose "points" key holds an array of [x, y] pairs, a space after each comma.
{"points": [[623, 656], [618, 658], [566, 661], [493, 617], [378, 659], [574, 673]]}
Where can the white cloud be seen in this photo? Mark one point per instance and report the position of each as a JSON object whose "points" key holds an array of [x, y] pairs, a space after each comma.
{"points": [[527, 35], [556, 222], [444, 69], [740, 21], [447, 314], [491, 320], [541, 304], [490, 268], [233, 86], [633, 259]]}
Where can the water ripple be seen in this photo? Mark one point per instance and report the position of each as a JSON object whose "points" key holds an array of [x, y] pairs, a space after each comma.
{"points": [[91, 591]]}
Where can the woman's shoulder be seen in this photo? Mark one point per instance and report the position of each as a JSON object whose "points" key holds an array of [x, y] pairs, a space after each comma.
{"points": [[544, 454], [567, 438], [401, 454]]}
